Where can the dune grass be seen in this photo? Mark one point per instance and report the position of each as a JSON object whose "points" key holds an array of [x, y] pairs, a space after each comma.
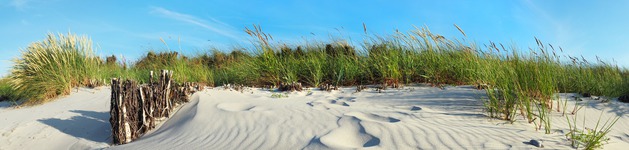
{"points": [[54, 66], [518, 83], [190, 69]]}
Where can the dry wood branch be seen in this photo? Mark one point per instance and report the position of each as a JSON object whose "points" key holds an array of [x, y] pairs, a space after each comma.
{"points": [[136, 109]]}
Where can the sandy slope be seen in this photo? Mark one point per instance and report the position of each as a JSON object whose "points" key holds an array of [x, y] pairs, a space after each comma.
{"points": [[410, 118]]}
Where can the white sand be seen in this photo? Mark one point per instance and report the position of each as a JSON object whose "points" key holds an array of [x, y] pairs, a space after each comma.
{"points": [[411, 118], [78, 121]]}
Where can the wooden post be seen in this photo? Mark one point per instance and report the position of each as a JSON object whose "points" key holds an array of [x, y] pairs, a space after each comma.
{"points": [[142, 109], [167, 78], [113, 112], [151, 78], [124, 121]]}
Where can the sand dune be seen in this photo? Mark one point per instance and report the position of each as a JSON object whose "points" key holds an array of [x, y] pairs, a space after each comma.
{"points": [[411, 118]]}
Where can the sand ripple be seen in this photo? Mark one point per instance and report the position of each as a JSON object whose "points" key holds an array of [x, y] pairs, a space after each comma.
{"points": [[428, 118]]}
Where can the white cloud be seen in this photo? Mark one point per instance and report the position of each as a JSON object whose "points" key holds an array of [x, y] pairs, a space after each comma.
{"points": [[212, 24]]}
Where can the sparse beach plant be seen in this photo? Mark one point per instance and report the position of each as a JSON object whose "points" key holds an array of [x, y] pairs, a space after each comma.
{"points": [[589, 138], [279, 95]]}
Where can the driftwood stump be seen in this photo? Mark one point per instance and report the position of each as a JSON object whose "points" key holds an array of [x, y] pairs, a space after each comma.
{"points": [[136, 109]]}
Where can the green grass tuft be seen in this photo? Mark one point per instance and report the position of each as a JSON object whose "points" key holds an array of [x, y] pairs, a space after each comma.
{"points": [[54, 66]]}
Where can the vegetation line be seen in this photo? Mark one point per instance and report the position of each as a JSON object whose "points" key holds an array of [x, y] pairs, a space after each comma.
{"points": [[518, 83]]}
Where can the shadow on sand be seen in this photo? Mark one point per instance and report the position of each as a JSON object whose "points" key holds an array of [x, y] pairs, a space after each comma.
{"points": [[5, 104], [88, 125], [8, 104], [619, 108]]}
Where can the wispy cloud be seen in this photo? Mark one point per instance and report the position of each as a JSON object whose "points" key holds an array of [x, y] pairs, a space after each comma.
{"points": [[23, 5], [560, 30], [19, 4], [212, 24]]}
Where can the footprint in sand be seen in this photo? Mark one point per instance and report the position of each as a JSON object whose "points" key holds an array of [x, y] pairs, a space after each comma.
{"points": [[348, 99], [318, 105], [408, 108], [339, 102], [236, 107], [372, 117], [415, 108], [327, 104], [7, 133], [350, 134]]}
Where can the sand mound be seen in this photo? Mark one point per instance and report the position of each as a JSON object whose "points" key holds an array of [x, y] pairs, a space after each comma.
{"points": [[350, 134]]}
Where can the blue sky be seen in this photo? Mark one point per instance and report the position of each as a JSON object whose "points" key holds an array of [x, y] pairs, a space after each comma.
{"points": [[131, 28]]}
